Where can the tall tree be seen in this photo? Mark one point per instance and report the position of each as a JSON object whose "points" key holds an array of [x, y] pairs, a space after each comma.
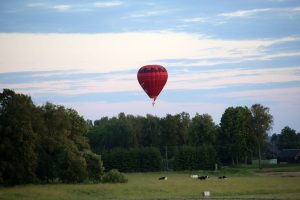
{"points": [[151, 131], [236, 137], [184, 125], [262, 123], [78, 129], [202, 130], [169, 135], [17, 139]]}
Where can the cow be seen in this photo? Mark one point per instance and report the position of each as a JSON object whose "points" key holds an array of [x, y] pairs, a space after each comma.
{"points": [[194, 176], [222, 177], [203, 177], [163, 178]]}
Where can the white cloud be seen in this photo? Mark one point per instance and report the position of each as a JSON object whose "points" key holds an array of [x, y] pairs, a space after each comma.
{"points": [[255, 12], [123, 51], [75, 7], [194, 20], [290, 96], [105, 4], [227, 77], [36, 4], [296, 9], [62, 7], [184, 80], [245, 13], [143, 14]]}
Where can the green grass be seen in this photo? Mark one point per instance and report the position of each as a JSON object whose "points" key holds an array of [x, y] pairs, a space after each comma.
{"points": [[242, 183]]}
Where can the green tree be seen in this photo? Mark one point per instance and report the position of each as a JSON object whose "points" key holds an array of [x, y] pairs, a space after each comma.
{"points": [[47, 166], [202, 130], [151, 131], [17, 139], [288, 139], [61, 147], [72, 167], [183, 128], [169, 136], [262, 123], [78, 129], [236, 135]]}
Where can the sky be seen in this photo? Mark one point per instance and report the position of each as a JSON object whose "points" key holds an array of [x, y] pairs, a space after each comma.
{"points": [[219, 53]]}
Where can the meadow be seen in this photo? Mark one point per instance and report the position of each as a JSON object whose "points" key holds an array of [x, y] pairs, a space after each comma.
{"points": [[242, 183]]}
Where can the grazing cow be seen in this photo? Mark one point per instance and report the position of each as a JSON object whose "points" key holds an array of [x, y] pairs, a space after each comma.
{"points": [[222, 177], [163, 178], [203, 177], [194, 176]]}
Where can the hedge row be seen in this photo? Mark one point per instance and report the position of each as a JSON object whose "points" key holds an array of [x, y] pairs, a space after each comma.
{"points": [[195, 158], [133, 160]]}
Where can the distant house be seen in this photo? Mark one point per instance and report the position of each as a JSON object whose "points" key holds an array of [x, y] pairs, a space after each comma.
{"points": [[271, 152], [289, 156]]}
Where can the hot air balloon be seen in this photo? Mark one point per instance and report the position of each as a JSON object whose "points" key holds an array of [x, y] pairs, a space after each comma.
{"points": [[152, 79]]}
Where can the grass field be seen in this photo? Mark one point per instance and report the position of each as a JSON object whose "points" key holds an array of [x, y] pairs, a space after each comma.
{"points": [[243, 183]]}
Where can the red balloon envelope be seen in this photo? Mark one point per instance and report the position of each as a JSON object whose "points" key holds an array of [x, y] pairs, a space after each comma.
{"points": [[152, 79]]}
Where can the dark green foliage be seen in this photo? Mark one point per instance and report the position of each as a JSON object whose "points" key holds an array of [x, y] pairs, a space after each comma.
{"points": [[52, 143], [195, 158], [95, 167], [236, 138], [262, 122], [288, 139], [71, 164], [114, 176], [203, 130], [133, 160], [61, 147], [17, 139], [47, 168], [44, 143]]}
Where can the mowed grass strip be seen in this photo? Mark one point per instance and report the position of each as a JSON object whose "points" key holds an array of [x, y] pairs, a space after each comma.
{"points": [[178, 186]]}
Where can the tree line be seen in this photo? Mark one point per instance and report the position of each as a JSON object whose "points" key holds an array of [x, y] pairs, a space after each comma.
{"points": [[52, 143], [43, 143], [240, 135]]}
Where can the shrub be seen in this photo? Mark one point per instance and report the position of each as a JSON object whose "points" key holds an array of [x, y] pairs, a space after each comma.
{"points": [[71, 165], [114, 176], [95, 167]]}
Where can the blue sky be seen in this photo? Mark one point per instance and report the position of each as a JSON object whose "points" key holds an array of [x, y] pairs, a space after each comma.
{"points": [[219, 53]]}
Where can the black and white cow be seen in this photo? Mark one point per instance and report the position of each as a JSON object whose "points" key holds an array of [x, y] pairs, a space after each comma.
{"points": [[163, 178], [203, 177]]}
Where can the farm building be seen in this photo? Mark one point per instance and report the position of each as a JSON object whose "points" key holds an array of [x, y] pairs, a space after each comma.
{"points": [[289, 156]]}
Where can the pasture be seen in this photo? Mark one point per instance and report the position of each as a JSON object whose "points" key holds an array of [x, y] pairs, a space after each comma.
{"points": [[242, 183]]}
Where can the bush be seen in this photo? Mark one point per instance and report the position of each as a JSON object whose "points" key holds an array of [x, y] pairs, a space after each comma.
{"points": [[95, 167], [114, 176], [72, 166]]}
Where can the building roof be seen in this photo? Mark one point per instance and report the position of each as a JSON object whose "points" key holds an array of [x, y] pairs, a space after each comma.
{"points": [[289, 153]]}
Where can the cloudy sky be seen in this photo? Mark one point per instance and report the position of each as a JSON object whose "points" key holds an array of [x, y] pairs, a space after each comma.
{"points": [[219, 53]]}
